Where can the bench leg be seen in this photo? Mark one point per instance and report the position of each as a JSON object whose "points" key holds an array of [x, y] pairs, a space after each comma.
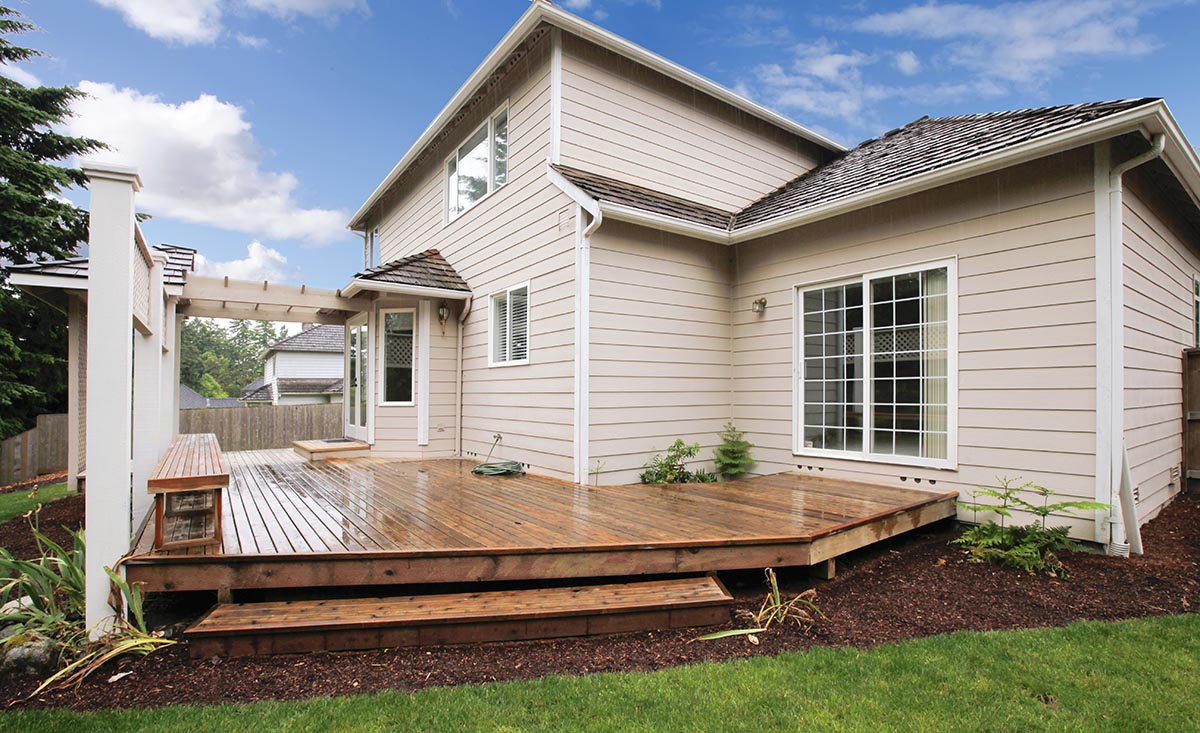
{"points": [[218, 510], [159, 500]]}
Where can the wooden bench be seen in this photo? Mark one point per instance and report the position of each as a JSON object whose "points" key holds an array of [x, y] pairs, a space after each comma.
{"points": [[189, 482], [247, 629]]}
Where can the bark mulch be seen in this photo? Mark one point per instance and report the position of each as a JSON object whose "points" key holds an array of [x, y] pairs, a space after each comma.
{"points": [[44, 480], [55, 518], [912, 586]]}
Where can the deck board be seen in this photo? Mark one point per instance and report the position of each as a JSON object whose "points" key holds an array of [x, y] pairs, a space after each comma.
{"points": [[280, 506]]}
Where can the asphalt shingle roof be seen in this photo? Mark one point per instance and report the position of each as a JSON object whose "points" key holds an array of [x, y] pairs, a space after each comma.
{"points": [[323, 337], [426, 269], [920, 147], [180, 261], [309, 386]]}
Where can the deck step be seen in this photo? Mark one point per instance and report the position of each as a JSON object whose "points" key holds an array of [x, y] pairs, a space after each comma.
{"points": [[321, 450], [245, 629]]}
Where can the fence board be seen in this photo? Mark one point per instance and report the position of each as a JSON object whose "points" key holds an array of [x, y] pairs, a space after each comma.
{"points": [[51, 443], [39, 450], [268, 426]]}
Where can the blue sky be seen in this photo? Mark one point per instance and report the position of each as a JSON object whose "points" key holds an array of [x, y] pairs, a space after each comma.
{"points": [[261, 125]]}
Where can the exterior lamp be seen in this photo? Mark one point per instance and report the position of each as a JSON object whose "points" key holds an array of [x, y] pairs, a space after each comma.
{"points": [[443, 315], [759, 306]]}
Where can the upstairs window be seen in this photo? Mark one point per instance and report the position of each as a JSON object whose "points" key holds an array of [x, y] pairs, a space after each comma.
{"points": [[479, 166], [510, 326]]}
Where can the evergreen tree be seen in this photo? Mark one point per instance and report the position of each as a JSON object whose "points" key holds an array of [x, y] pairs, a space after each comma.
{"points": [[732, 457], [35, 223]]}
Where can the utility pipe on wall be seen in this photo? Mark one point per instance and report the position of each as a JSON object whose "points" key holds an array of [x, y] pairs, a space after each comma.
{"points": [[458, 378]]}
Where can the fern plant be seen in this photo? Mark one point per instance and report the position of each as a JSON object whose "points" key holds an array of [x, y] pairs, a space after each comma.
{"points": [[1034, 547], [732, 457]]}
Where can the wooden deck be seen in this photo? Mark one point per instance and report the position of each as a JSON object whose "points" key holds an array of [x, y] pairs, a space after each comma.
{"points": [[363, 521]]}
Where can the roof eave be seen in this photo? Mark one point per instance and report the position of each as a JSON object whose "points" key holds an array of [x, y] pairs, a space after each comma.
{"points": [[665, 223], [359, 285], [1147, 119], [538, 12]]}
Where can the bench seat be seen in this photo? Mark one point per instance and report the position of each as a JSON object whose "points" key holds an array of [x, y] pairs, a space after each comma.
{"points": [[194, 474]]}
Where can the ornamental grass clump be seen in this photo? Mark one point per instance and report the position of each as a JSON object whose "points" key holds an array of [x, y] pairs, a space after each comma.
{"points": [[1035, 547]]}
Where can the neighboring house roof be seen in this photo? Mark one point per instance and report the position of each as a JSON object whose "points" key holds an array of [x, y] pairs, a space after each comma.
{"points": [[190, 399], [309, 386], [256, 391], [531, 26], [923, 153], [324, 337], [180, 261], [426, 269]]}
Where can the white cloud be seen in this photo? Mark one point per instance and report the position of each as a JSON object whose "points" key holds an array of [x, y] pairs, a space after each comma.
{"points": [[200, 21], [907, 63], [248, 41], [19, 75], [179, 21], [576, 5], [200, 163], [261, 263], [1025, 43]]}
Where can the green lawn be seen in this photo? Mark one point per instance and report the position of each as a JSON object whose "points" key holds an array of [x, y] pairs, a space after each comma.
{"points": [[18, 502], [1134, 675]]}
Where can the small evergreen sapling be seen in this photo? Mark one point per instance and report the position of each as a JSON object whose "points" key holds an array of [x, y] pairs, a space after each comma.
{"points": [[732, 457]]}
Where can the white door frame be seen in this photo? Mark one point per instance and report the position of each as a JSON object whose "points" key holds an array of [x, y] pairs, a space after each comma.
{"points": [[359, 427]]}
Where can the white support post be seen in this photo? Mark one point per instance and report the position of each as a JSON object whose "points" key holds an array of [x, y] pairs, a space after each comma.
{"points": [[76, 308], [1104, 335], [148, 442], [109, 380], [174, 408], [423, 326], [169, 380]]}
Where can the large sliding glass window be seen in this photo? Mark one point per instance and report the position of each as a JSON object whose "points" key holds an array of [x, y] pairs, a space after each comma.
{"points": [[479, 166], [885, 396]]}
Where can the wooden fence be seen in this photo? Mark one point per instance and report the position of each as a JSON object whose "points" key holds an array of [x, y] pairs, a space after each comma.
{"points": [[42, 449], [259, 428]]}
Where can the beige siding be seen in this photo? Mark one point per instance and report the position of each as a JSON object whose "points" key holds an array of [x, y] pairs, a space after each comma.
{"points": [[623, 120], [523, 232], [1160, 263], [1023, 239], [660, 340]]}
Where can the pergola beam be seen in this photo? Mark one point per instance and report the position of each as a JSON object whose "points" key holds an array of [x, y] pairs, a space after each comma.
{"points": [[263, 293], [252, 313]]}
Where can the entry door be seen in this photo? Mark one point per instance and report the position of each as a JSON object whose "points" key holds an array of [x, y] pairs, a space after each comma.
{"points": [[357, 385]]}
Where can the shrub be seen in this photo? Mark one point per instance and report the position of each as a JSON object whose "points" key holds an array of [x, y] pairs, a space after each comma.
{"points": [[732, 457], [1033, 547], [672, 467]]}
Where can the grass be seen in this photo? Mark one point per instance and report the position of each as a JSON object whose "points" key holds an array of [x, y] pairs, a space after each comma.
{"points": [[18, 502], [1132, 675]]}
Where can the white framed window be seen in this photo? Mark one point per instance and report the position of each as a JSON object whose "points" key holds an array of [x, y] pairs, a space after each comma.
{"points": [[479, 166], [508, 329], [876, 367], [397, 356]]}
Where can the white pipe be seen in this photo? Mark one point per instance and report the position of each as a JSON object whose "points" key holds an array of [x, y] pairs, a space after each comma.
{"points": [[1124, 532], [458, 378]]}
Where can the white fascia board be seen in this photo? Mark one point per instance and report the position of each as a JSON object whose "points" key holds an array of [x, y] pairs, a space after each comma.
{"points": [[358, 285], [1139, 118], [664, 223], [540, 11], [43, 280]]}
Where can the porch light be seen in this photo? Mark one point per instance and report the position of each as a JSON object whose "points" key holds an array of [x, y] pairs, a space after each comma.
{"points": [[443, 314], [759, 306]]}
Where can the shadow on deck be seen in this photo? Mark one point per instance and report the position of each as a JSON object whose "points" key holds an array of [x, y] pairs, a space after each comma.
{"points": [[366, 522]]}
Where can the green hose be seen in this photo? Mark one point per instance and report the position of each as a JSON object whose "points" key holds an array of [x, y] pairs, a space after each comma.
{"points": [[500, 468]]}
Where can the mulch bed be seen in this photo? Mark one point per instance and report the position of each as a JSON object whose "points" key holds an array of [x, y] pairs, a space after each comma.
{"points": [[44, 480], [17, 537], [909, 587]]}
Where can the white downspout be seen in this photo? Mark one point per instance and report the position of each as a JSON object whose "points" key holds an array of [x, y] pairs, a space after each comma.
{"points": [[1124, 532], [458, 378]]}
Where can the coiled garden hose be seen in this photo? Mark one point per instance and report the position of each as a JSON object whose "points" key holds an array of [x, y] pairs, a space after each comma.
{"points": [[500, 468]]}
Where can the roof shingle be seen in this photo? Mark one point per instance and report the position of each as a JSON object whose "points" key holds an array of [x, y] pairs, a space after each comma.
{"points": [[426, 269], [603, 188], [322, 337]]}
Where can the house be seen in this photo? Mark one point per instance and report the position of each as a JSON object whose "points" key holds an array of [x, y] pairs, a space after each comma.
{"points": [[592, 251], [303, 369], [190, 399]]}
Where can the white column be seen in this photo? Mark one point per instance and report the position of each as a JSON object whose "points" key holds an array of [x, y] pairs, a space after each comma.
{"points": [[76, 307], [109, 379], [423, 356], [178, 366], [168, 419], [148, 444]]}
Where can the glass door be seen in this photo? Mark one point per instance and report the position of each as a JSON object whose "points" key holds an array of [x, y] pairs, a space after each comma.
{"points": [[357, 385]]}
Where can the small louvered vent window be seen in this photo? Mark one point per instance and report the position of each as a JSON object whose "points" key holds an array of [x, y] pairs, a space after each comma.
{"points": [[510, 326]]}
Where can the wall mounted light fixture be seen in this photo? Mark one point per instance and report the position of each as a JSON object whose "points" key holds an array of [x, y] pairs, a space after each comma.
{"points": [[759, 306], [443, 315]]}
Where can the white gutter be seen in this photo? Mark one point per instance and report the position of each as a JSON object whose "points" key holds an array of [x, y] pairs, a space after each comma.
{"points": [[665, 223], [1124, 532], [358, 285], [541, 11], [458, 378], [593, 207]]}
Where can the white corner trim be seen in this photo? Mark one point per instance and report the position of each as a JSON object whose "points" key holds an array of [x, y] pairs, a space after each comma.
{"points": [[1102, 166], [556, 74], [424, 308]]}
